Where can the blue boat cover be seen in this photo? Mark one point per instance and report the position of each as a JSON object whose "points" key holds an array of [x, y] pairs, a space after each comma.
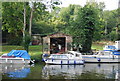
{"points": [[19, 53], [111, 47], [116, 52]]}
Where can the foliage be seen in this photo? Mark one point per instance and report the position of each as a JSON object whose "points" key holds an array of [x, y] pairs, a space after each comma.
{"points": [[26, 41], [16, 40], [57, 24], [112, 20], [118, 23], [12, 16], [85, 26], [68, 15], [12, 20], [42, 27]]}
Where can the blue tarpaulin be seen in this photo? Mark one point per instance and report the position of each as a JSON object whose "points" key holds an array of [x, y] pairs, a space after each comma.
{"points": [[19, 53], [111, 47]]}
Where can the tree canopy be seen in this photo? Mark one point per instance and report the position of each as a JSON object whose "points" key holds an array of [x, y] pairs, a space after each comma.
{"points": [[86, 24]]}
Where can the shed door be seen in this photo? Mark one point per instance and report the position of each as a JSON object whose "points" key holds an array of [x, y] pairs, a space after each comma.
{"points": [[57, 45]]}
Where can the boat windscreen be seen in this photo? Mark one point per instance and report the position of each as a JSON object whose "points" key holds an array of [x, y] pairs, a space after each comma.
{"points": [[59, 56]]}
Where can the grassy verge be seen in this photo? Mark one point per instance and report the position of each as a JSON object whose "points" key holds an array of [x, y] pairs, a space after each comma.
{"points": [[97, 46], [34, 51], [100, 44]]}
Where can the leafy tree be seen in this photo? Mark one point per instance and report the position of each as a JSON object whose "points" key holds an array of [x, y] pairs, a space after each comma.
{"points": [[42, 27], [118, 23], [86, 25], [110, 22], [68, 15], [15, 12]]}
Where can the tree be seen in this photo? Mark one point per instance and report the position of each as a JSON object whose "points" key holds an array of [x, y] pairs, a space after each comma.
{"points": [[15, 12], [36, 10], [86, 25], [69, 15]]}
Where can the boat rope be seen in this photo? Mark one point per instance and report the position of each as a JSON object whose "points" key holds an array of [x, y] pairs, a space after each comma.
{"points": [[32, 61]]}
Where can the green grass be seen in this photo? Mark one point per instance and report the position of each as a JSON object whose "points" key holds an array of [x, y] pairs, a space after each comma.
{"points": [[34, 51], [97, 46]]}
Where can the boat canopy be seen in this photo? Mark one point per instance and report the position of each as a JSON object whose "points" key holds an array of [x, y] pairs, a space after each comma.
{"points": [[111, 47], [19, 53]]}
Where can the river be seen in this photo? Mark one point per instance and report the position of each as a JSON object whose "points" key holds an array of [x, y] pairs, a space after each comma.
{"points": [[42, 71]]}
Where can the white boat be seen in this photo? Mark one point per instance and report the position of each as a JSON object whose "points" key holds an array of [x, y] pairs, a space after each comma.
{"points": [[103, 56], [16, 56], [110, 54], [71, 57]]}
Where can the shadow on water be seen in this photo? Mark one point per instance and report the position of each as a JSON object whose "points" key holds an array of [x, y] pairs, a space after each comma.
{"points": [[41, 71]]}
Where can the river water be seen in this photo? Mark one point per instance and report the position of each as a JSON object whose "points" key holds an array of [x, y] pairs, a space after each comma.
{"points": [[42, 71]]}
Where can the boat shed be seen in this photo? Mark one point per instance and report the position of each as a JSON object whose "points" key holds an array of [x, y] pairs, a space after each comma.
{"points": [[57, 43]]}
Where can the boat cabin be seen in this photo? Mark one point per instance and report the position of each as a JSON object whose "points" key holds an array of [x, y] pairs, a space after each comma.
{"points": [[57, 43], [68, 55], [105, 53]]}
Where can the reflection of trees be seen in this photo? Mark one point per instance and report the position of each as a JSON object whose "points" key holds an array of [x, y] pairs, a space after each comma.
{"points": [[87, 71], [90, 75], [59, 76]]}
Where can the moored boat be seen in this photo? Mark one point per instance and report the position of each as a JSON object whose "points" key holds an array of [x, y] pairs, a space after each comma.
{"points": [[103, 57], [71, 57], [109, 54], [16, 56]]}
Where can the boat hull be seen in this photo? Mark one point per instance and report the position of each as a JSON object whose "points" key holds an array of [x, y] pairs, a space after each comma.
{"points": [[101, 60], [64, 61], [14, 60]]}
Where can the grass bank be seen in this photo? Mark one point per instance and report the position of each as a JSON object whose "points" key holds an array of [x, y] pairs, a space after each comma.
{"points": [[98, 45]]}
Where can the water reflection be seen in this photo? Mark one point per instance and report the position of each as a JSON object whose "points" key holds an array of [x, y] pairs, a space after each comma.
{"points": [[61, 71], [15, 71], [39, 71], [87, 71]]}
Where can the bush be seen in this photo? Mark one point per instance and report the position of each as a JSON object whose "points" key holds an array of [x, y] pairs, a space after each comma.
{"points": [[15, 41], [113, 36], [26, 41]]}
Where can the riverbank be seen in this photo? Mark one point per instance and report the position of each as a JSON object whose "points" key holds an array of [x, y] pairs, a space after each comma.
{"points": [[35, 51]]}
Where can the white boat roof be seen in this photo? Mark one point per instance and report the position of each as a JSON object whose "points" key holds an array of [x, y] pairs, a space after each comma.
{"points": [[73, 52]]}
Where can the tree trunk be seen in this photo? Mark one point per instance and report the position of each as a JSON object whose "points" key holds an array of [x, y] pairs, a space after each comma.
{"points": [[31, 18], [24, 27]]}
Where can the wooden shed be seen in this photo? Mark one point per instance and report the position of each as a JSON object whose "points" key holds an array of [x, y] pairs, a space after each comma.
{"points": [[57, 43]]}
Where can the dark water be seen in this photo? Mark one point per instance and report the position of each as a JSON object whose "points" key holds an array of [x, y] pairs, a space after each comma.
{"points": [[41, 71]]}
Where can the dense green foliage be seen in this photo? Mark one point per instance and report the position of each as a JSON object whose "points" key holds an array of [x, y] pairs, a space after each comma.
{"points": [[86, 24]]}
